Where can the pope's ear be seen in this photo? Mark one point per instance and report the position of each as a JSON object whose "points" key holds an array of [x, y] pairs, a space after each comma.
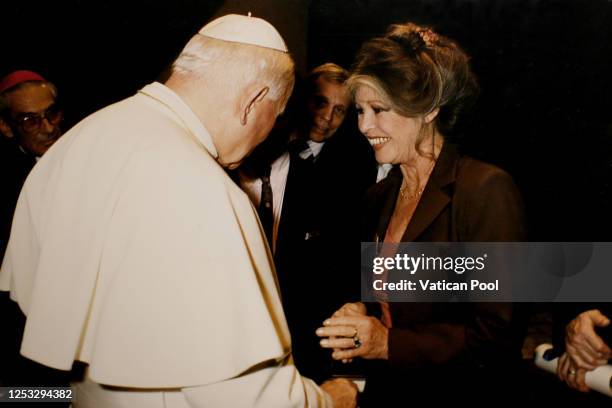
{"points": [[432, 115], [251, 98], [5, 129]]}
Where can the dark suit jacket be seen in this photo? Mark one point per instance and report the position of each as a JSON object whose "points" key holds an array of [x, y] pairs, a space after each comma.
{"points": [[16, 370], [464, 200], [15, 165], [318, 242]]}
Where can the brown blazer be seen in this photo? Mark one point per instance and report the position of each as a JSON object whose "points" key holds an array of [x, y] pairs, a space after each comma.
{"points": [[464, 200]]}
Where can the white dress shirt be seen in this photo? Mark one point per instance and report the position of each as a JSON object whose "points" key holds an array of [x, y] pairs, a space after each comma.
{"points": [[278, 181]]}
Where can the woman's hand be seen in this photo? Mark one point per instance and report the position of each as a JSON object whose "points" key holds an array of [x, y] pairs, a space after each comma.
{"points": [[573, 376], [350, 309], [355, 336]]}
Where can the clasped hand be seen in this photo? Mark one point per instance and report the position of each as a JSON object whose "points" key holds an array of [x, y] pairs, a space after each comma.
{"points": [[584, 349], [351, 333]]}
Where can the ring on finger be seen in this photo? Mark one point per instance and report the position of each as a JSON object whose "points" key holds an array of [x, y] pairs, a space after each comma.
{"points": [[572, 371], [356, 342]]}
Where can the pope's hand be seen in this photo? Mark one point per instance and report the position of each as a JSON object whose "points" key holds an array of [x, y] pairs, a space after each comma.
{"points": [[351, 309], [342, 391]]}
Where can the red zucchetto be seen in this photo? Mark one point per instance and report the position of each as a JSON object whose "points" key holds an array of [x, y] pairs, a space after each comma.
{"points": [[18, 77]]}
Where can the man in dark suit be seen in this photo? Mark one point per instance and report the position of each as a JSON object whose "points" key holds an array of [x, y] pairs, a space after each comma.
{"points": [[317, 186], [29, 124]]}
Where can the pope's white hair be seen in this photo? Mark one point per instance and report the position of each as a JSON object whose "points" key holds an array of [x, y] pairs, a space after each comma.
{"points": [[236, 65]]}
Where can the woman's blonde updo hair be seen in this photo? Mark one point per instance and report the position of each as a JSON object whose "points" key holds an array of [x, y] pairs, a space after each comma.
{"points": [[415, 71]]}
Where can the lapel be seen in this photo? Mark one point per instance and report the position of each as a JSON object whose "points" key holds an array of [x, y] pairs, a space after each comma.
{"points": [[435, 197], [391, 186]]}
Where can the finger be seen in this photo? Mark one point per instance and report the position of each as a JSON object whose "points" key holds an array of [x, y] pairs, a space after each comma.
{"points": [[355, 309], [570, 379], [347, 312], [339, 343], [598, 318], [584, 339], [560, 364], [346, 354], [583, 357], [341, 331], [577, 358], [580, 381], [596, 343], [343, 321], [585, 360], [593, 360], [590, 358], [578, 362], [346, 308], [562, 367]]}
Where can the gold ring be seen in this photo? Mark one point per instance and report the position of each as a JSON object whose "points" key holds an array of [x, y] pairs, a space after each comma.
{"points": [[572, 371]]}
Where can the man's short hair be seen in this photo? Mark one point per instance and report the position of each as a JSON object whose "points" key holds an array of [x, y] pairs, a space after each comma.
{"points": [[329, 71]]}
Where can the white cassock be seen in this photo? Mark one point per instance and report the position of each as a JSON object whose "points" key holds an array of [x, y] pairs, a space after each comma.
{"points": [[133, 251]]}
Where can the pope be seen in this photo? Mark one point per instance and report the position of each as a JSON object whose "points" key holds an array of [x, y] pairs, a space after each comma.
{"points": [[132, 251]]}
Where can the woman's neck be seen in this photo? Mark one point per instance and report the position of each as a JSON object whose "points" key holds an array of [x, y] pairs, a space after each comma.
{"points": [[416, 172]]}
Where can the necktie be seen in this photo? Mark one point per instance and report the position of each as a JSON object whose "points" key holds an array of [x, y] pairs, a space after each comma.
{"points": [[299, 149], [265, 210]]}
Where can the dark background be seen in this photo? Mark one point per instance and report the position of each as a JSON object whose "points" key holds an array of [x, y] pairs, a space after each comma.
{"points": [[544, 67]]}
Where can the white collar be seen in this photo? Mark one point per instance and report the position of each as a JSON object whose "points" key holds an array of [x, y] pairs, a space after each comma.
{"points": [[186, 115], [314, 148]]}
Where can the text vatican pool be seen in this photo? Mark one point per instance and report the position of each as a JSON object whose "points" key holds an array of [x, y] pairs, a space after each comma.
{"points": [[438, 285]]}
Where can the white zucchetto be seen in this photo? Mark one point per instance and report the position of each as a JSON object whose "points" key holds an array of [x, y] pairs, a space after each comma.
{"points": [[245, 30]]}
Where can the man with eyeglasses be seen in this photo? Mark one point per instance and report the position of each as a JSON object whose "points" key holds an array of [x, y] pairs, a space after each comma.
{"points": [[29, 113], [29, 125]]}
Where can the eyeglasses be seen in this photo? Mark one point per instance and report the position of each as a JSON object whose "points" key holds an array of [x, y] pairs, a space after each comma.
{"points": [[31, 122]]}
